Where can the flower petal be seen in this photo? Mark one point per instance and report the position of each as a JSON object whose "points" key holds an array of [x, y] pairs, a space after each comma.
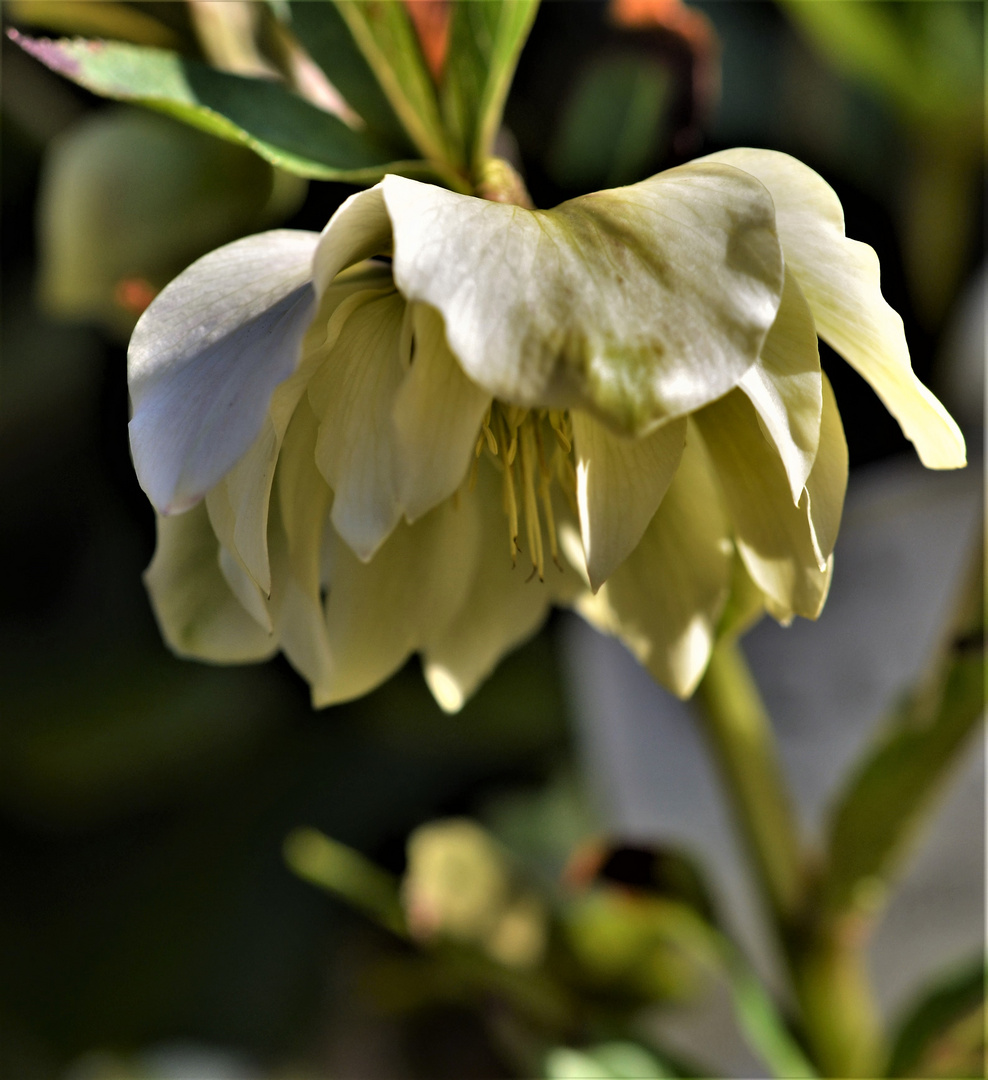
{"points": [[638, 304], [772, 535], [206, 356], [198, 614], [353, 396], [437, 416], [785, 386], [840, 279], [827, 482], [619, 485], [503, 607], [358, 229], [666, 598], [379, 613], [300, 517]]}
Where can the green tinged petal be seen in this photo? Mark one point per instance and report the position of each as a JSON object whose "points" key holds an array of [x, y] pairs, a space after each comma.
{"points": [[619, 485], [437, 417], [197, 612], [503, 607], [827, 483], [638, 304], [785, 386], [353, 395], [840, 278], [773, 536], [379, 613], [665, 600]]}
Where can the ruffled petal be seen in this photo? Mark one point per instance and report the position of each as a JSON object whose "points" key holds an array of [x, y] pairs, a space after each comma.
{"points": [[503, 607], [827, 482], [773, 536], [437, 417], [353, 396], [666, 598], [840, 278], [197, 612], [206, 356], [619, 485], [637, 304], [379, 613], [785, 387]]}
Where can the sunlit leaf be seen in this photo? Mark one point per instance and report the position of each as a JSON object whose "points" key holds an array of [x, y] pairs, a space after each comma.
{"points": [[276, 124]]}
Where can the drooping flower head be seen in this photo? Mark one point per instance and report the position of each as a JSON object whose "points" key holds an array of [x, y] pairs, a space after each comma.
{"points": [[417, 430]]}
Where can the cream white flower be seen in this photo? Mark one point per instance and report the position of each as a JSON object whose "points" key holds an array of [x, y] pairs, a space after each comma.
{"points": [[349, 456]]}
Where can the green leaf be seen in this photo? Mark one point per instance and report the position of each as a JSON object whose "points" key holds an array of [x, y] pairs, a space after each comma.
{"points": [[884, 803], [944, 1027], [486, 40], [97, 18], [384, 33], [276, 124], [319, 26], [606, 1061]]}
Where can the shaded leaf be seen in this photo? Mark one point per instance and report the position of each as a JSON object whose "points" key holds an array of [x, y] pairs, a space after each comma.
{"points": [[319, 26], [882, 807], [98, 18], [276, 124], [938, 1029], [386, 37]]}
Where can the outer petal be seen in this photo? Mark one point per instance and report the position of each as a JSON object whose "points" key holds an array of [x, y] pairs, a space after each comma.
{"points": [[665, 600], [206, 356], [827, 483], [379, 613], [785, 386], [195, 608], [353, 397], [773, 536], [503, 607], [619, 485], [437, 415], [638, 304], [840, 278], [359, 229]]}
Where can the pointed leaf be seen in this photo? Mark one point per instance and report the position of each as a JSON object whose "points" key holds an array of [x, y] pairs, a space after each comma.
{"points": [[281, 127], [386, 37]]}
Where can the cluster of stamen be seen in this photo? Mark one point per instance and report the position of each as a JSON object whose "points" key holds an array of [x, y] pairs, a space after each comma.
{"points": [[532, 448]]}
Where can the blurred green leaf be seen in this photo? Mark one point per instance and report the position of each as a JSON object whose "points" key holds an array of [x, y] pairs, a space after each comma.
{"points": [[321, 29], [606, 1061], [613, 123], [884, 803], [936, 1030], [93, 18], [346, 873], [384, 34], [276, 124], [129, 198], [486, 40]]}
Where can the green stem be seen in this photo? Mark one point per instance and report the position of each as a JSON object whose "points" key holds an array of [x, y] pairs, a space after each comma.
{"points": [[825, 958], [740, 735]]}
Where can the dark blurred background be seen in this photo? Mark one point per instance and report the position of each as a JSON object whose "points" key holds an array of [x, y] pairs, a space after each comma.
{"points": [[144, 800]]}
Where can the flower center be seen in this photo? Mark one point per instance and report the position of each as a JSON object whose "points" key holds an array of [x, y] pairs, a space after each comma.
{"points": [[532, 448]]}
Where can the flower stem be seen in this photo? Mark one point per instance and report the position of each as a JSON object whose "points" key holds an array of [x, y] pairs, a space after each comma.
{"points": [[825, 958], [740, 735]]}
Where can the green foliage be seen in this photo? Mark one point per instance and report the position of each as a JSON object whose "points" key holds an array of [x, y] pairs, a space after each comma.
{"points": [[281, 127], [884, 803], [944, 1032]]}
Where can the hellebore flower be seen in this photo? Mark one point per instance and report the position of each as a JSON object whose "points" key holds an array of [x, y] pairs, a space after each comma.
{"points": [[351, 437]]}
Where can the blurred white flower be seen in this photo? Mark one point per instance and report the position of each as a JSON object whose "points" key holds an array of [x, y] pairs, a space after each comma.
{"points": [[348, 456]]}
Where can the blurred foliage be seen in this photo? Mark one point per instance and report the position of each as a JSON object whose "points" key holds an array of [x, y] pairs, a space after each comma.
{"points": [[145, 801]]}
